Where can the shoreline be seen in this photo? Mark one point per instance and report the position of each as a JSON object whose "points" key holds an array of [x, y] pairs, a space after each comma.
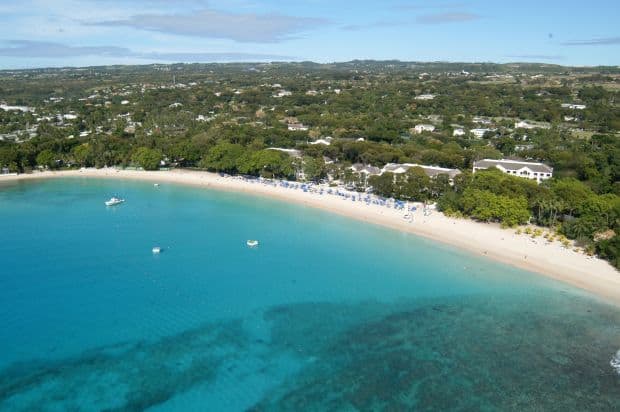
{"points": [[488, 240]]}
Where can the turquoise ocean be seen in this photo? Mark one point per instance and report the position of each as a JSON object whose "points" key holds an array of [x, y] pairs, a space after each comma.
{"points": [[327, 314]]}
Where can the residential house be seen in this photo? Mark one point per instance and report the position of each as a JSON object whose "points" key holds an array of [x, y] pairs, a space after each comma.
{"points": [[482, 120], [283, 93], [522, 124], [425, 97], [421, 128], [480, 132], [458, 132], [573, 106], [297, 127]]}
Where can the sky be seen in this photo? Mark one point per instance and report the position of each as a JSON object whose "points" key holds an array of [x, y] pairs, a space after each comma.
{"points": [[59, 33]]}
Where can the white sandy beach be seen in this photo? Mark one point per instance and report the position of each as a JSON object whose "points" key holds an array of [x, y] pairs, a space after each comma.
{"points": [[536, 255]]}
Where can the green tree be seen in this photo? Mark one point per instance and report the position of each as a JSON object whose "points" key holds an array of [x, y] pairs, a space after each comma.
{"points": [[314, 168], [82, 154], [439, 185], [486, 206], [572, 193], [413, 185], [269, 163], [47, 159], [148, 159], [610, 249], [223, 157], [383, 185], [185, 153], [10, 157]]}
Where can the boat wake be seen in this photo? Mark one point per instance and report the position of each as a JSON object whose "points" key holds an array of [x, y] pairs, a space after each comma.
{"points": [[615, 362]]}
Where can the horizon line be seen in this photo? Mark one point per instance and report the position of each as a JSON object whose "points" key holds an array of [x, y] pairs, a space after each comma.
{"points": [[258, 62]]}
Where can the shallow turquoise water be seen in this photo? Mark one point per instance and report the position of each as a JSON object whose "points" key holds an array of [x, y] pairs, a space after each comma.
{"points": [[327, 314]]}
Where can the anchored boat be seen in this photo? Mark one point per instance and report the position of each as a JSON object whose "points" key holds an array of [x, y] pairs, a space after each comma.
{"points": [[114, 201]]}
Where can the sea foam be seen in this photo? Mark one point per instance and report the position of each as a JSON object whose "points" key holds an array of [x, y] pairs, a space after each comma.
{"points": [[615, 362]]}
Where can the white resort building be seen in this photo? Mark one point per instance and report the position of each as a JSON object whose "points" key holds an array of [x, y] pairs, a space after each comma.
{"points": [[527, 170], [400, 168], [366, 169], [431, 171]]}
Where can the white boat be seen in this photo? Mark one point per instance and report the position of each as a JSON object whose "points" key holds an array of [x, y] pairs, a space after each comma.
{"points": [[252, 243], [114, 201], [156, 184], [156, 250]]}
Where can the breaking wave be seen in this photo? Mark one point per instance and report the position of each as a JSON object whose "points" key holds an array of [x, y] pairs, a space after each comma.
{"points": [[615, 362]]}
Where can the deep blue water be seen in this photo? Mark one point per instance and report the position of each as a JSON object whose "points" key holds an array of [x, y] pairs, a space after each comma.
{"points": [[326, 314]]}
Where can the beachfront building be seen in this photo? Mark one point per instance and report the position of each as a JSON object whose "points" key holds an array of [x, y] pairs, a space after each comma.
{"points": [[400, 168], [366, 169], [421, 128], [527, 170], [431, 171]]}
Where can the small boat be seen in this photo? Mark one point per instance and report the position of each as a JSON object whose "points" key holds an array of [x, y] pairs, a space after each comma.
{"points": [[156, 250], [252, 243], [156, 184], [114, 201]]}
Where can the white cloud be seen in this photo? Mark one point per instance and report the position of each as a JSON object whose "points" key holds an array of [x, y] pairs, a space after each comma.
{"points": [[209, 23], [50, 50], [604, 41], [449, 17]]}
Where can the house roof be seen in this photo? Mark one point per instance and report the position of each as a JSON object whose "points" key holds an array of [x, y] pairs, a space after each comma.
{"points": [[431, 171], [514, 165], [371, 170], [290, 152]]}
